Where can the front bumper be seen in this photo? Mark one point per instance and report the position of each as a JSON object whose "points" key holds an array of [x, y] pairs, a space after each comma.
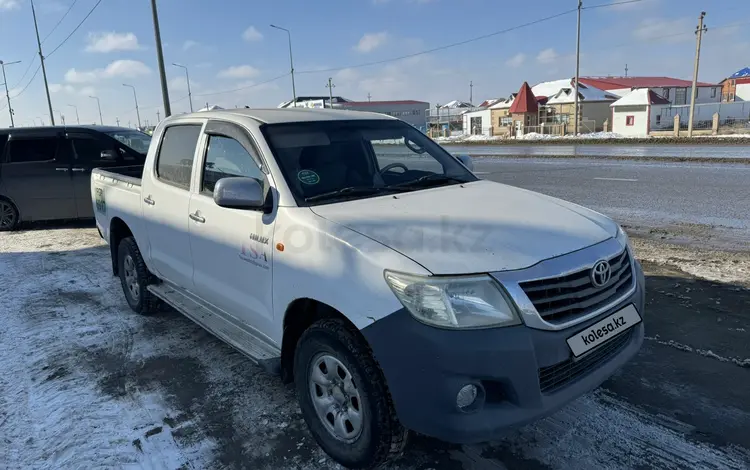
{"points": [[425, 367]]}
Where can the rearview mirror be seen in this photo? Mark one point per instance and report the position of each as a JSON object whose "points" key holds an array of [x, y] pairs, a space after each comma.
{"points": [[239, 193], [466, 160], [108, 155]]}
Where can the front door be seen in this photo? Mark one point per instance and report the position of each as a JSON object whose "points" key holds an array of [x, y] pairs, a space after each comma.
{"points": [[37, 178], [166, 200], [232, 248], [86, 154]]}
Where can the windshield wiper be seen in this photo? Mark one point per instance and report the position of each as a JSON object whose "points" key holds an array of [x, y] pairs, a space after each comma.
{"points": [[351, 190], [434, 177]]}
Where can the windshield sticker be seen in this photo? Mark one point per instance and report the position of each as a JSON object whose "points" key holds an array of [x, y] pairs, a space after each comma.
{"points": [[308, 177]]}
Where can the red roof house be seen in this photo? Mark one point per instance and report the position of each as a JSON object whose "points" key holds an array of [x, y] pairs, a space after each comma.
{"points": [[525, 101]]}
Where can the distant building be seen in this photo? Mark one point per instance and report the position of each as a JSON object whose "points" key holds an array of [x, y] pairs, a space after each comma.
{"points": [[312, 102], [736, 87], [593, 104], [675, 90], [632, 114], [410, 111], [448, 117]]}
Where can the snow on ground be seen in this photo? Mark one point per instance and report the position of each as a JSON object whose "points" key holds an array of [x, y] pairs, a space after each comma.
{"points": [[591, 136], [87, 383]]}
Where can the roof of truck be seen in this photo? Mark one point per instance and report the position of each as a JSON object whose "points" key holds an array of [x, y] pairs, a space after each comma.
{"points": [[282, 115]]}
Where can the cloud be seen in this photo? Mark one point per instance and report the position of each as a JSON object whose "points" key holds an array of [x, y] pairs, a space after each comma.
{"points": [[371, 41], [7, 5], [119, 68], [189, 44], [112, 41], [252, 35], [180, 84], [239, 71], [547, 56], [71, 90], [665, 30], [516, 61]]}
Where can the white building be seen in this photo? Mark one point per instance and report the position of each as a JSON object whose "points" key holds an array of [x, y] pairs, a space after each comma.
{"points": [[632, 114], [477, 122], [675, 90]]}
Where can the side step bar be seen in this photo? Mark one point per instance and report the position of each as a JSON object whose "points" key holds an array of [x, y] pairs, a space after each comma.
{"points": [[221, 325]]}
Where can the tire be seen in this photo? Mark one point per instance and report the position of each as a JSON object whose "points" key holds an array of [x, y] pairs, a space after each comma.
{"points": [[8, 216], [135, 277], [380, 436]]}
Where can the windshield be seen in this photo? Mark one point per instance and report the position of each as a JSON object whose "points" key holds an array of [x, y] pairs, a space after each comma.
{"points": [[137, 141], [330, 161]]}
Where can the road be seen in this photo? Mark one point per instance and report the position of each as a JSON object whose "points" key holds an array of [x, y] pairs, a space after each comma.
{"points": [[638, 193], [714, 150]]}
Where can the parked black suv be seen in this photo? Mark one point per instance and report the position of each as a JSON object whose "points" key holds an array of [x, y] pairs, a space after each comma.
{"points": [[45, 171]]}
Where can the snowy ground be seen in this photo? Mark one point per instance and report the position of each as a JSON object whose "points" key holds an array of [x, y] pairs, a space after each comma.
{"points": [[86, 383], [593, 135]]}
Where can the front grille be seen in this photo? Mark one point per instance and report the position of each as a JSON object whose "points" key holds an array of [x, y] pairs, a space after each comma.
{"points": [[560, 299], [555, 377]]}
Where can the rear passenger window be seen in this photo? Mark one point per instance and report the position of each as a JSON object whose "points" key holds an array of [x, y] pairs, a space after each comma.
{"points": [[3, 140], [175, 160], [226, 157], [32, 150]]}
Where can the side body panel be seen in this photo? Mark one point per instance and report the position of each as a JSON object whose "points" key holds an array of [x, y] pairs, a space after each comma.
{"points": [[115, 198]]}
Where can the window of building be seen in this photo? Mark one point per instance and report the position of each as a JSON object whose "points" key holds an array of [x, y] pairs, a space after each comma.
{"points": [[32, 150], [658, 119], [174, 163], [680, 96], [665, 92], [226, 157], [713, 92], [629, 120], [731, 97]]}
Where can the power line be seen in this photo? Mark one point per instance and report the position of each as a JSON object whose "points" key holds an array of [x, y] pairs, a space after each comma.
{"points": [[61, 20], [26, 72], [447, 46], [613, 4], [31, 80], [244, 87], [74, 30]]}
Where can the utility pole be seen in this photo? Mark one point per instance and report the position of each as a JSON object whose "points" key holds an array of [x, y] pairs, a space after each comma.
{"points": [[369, 97], [158, 117], [699, 33], [160, 60], [578, 61], [626, 70], [291, 62], [44, 69], [99, 105], [62, 118], [187, 77], [135, 97], [78, 120], [471, 93], [7, 94], [117, 120], [330, 87]]}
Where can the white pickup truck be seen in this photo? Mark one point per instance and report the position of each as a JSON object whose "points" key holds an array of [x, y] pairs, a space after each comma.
{"points": [[354, 256]]}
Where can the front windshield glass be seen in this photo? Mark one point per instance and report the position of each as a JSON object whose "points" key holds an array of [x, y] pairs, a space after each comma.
{"points": [[137, 141], [331, 161]]}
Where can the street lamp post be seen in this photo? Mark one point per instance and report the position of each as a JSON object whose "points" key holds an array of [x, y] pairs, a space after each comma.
{"points": [[62, 118], [135, 97], [291, 62], [7, 94], [99, 104], [187, 77], [78, 120]]}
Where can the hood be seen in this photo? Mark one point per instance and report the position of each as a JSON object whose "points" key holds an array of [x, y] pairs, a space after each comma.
{"points": [[478, 228]]}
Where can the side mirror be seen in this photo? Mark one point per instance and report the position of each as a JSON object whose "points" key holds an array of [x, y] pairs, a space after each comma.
{"points": [[466, 160], [239, 193], [108, 155]]}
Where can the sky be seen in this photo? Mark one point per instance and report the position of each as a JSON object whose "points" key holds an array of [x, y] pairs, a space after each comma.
{"points": [[233, 54]]}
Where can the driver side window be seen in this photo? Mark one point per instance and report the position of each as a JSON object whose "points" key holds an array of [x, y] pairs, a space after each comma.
{"points": [[225, 157]]}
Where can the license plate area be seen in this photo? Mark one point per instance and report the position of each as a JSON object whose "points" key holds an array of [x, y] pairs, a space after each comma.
{"points": [[604, 330]]}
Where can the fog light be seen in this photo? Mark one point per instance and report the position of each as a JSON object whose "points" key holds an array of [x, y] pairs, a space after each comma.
{"points": [[466, 396]]}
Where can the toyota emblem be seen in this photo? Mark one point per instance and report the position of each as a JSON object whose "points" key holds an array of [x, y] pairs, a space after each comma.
{"points": [[601, 273]]}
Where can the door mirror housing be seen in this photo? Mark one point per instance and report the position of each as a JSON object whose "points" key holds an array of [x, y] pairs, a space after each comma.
{"points": [[239, 193], [108, 155], [467, 161]]}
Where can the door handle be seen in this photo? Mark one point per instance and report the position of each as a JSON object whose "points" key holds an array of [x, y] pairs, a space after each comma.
{"points": [[79, 169], [197, 218], [61, 169], [149, 201]]}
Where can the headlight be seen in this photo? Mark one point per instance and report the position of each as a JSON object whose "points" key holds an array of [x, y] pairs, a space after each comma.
{"points": [[453, 302], [622, 237]]}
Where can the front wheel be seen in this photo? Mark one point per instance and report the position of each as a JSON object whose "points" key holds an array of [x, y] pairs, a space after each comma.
{"points": [[344, 398], [8, 216]]}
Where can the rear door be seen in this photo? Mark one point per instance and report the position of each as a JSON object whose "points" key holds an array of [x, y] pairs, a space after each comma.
{"points": [[89, 151], [231, 248], [37, 176]]}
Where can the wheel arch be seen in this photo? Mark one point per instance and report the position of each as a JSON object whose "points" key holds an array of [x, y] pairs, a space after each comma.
{"points": [[15, 204], [299, 315], [118, 230]]}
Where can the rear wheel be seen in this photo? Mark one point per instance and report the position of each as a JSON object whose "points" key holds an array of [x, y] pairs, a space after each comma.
{"points": [[344, 398], [8, 216], [135, 277]]}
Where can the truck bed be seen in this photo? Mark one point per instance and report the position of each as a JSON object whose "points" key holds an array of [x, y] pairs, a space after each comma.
{"points": [[127, 174]]}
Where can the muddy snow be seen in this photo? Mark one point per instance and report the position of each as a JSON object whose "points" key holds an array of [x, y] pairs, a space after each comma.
{"points": [[86, 383]]}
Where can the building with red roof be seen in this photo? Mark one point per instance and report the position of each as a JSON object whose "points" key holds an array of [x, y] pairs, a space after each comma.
{"points": [[676, 90]]}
